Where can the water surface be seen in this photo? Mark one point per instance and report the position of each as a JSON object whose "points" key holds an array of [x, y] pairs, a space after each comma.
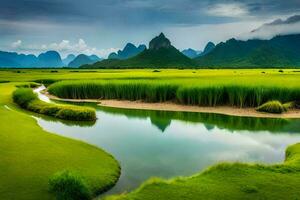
{"points": [[167, 144]]}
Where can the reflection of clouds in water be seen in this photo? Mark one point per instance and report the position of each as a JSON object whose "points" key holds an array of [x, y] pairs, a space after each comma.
{"points": [[230, 155], [238, 145], [41, 96]]}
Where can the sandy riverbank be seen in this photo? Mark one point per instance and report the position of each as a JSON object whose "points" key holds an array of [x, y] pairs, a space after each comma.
{"points": [[168, 106], [246, 112]]}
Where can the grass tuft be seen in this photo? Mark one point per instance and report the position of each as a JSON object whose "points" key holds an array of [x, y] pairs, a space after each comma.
{"points": [[272, 107], [289, 105], [67, 185]]}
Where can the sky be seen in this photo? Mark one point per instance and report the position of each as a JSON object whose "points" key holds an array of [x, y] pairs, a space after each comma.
{"points": [[103, 26]]}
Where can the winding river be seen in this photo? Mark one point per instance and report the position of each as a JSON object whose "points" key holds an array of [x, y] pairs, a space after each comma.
{"points": [[167, 144]]}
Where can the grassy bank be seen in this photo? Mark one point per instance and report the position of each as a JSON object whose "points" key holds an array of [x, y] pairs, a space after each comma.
{"points": [[241, 95], [27, 99], [228, 181], [30, 156]]}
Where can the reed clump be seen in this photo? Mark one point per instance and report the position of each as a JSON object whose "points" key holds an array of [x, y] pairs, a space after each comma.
{"points": [[27, 99], [202, 95], [275, 107]]}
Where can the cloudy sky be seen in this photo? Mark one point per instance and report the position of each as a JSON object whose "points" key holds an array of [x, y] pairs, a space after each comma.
{"points": [[102, 26]]}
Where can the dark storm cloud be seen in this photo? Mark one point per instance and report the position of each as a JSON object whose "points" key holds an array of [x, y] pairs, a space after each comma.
{"points": [[136, 12], [35, 10], [131, 11]]}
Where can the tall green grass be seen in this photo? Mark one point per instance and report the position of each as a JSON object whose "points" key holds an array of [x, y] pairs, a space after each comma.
{"points": [[235, 95], [123, 90], [27, 99], [240, 95]]}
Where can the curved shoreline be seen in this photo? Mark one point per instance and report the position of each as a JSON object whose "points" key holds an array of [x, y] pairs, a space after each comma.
{"points": [[169, 106]]}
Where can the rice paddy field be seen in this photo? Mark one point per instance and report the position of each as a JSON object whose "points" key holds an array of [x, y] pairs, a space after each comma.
{"points": [[243, 88], [31, 154], [271, 77]]}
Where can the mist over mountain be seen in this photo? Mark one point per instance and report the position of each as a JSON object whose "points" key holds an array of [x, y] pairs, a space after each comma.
{"points": [[130, 50], [288, 26]]}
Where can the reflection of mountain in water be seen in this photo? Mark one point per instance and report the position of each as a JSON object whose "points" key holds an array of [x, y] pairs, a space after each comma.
{"points": [[162, 119], [209, 127], [161, 123]]}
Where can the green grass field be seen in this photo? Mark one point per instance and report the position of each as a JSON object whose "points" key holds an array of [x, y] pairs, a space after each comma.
{"points": [[270, 77], [29, 155]]}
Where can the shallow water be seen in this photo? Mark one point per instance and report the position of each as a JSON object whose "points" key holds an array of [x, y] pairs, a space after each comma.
{"points": [[167, 144]]}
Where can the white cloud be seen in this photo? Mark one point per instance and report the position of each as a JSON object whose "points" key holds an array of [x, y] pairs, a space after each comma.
{"points": [[228, 10], [16, 44], [64, 47]]}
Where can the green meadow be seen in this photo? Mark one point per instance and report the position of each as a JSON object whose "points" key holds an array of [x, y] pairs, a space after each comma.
{"points": [[30, 155]]}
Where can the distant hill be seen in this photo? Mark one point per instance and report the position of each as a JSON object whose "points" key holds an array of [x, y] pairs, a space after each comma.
{"points": [[12, 59], [47, 59], [280, 51], [161, 54], [191, 53], [95, 58], [50, 59], [81, 59], [208, 48], [68, 59], [130, 50]]}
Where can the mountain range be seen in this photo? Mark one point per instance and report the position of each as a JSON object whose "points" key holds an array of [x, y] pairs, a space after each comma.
{"points": [[68, 59], [160, 54], [130, 50], [49, 59], [191, 53], [280, 51], [83, 59]]}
